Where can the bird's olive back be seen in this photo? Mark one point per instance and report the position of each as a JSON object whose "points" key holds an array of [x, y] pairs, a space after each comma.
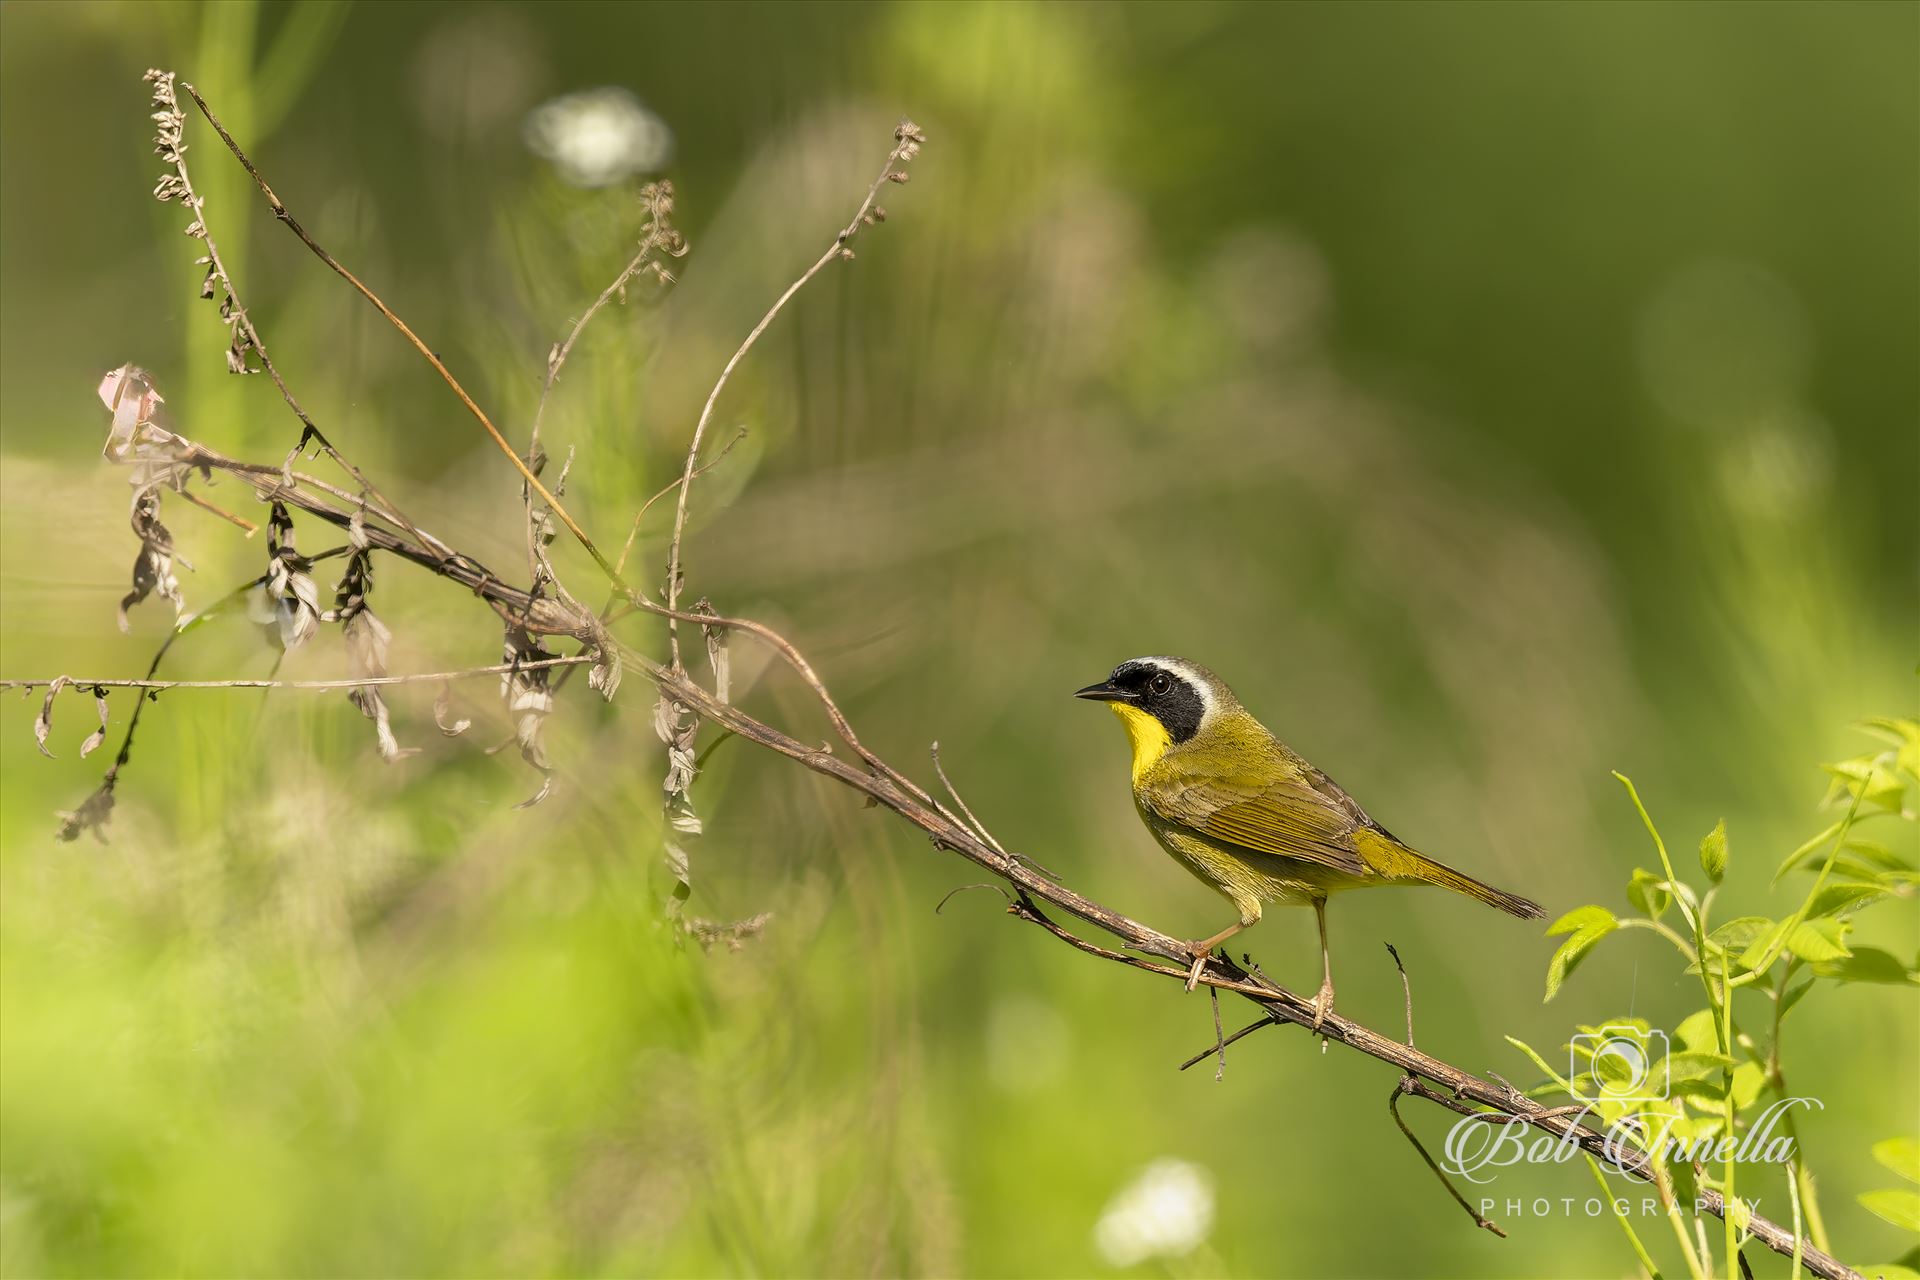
{"points": [[1168, 695]]}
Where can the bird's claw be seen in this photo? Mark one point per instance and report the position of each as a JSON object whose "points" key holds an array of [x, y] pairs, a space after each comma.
{"points": [[1200, 959], [1322, 1004]]}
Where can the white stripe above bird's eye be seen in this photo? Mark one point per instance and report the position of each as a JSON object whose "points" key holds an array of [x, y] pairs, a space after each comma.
{"points": [[1200, 681]]}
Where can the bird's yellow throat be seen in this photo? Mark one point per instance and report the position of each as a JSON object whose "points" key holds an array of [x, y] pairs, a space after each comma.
{"points": [[1149, 737]]}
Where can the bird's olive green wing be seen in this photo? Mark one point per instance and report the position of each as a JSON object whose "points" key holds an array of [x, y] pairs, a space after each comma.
{"points": [[1287, 817]]}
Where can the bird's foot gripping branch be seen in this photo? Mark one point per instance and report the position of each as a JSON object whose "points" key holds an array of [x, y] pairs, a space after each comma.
{"points": [[1716, 1059]]}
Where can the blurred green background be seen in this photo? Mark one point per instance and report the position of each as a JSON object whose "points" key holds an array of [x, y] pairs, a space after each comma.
{"points": [[1495, 395]]}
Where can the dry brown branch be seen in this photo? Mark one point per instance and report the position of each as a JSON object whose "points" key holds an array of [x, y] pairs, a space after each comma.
{"points": [[270, 483], [406, 331], [172, 148], [1138, 946], [1456, 1090]]}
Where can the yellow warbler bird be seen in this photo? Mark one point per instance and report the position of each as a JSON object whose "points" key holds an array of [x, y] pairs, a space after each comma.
{"points": [[1235, 806]]}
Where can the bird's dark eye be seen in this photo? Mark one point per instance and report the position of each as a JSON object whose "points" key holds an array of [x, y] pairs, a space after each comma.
{"points": [[1160, 685]]}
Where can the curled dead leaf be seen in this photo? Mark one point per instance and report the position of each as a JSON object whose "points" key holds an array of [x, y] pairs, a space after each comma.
{"points": [[443, 711], [99, 735], [43, 723], [290, 584], [529, 701], [153, 567]]}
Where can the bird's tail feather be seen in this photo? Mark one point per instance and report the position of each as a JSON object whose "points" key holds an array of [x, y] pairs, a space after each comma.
{"points": [[1401, 863]]}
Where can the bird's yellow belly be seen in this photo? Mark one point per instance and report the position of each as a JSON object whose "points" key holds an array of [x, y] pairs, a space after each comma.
{"points": [[1246, 877]]}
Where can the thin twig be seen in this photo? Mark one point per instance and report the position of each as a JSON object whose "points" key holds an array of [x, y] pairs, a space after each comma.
{"points": [[1458, 1090], [634, 532], [173, 149], [406, 331], [887, 787], [1406, 1085], [978, 828], [247, 525], [1393, 1106], [1219, 1037], [1406, 990], [362, 682], [907, 142], [1241, 1034], [660, 237]]}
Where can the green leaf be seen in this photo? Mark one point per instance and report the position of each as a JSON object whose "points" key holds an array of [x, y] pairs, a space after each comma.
{"points": [[1748, 1079], [1694, 1064], [1762, 947], [1685, 1186], [1795, 992], [1713, 852], [1541, 1063], [1896, 1204], [1879, 853], [1648, 892], [1575, 948], [1876, 785], [1793, 858], [1812, 940], [1888, 1271], [1868, 964], [1896, 731], [1696, 1032], [1819, 940], [1737, 934], [1902, 1155], [1839, 895], [1587, 917]]}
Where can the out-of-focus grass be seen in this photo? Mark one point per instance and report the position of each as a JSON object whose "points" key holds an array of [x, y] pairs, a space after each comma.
{"points": [[1338, 354]]}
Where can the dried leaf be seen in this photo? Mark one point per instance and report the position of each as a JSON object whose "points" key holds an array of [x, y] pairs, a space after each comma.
{"points": [[681, 871], [529, 701], [290, 583], [92, 814], [677, 727], [718, 658], [137, 438], [546, 788], [43, 723], [153, 567], [374, 707], [604, 675], [443, 708], [367, 640], [733, 934], [99, 735]]}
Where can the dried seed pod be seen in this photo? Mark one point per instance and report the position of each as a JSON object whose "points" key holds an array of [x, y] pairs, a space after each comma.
{"points": [[290, 584], [153, 567], [367, 639], [529, 701], [99, 735], [43, 723]]}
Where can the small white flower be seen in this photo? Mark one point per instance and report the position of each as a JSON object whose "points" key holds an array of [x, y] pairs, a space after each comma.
{"points": [[598, 136], [1164, 1213]]}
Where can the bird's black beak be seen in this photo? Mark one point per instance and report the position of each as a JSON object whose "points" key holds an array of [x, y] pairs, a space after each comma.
{"points": [[1105, 691]]}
